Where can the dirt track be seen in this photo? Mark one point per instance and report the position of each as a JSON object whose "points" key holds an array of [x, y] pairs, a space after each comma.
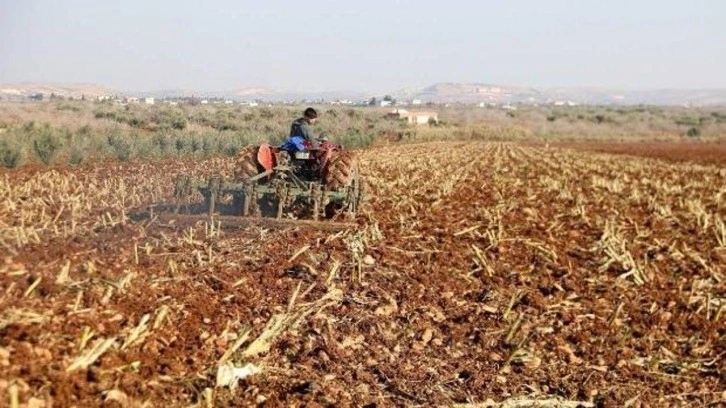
{"points": [[507, 272]]}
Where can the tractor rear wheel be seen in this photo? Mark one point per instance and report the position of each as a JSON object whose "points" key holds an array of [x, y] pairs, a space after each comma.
{"points": [[245, 163], [340, 171]]}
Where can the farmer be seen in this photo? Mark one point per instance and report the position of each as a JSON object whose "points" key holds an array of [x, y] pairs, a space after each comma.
{"points": [[301, 133]]}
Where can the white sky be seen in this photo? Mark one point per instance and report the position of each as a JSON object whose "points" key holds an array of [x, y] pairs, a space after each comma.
{"points": [[316, 45]]}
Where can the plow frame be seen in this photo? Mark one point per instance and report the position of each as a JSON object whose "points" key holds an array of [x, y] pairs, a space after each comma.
{"points": [[283, 186]]}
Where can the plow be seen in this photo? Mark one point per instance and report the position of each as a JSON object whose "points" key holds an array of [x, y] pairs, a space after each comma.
{"points": [[318, 187]]}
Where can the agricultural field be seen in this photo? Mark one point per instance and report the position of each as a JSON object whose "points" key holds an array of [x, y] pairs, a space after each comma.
{"points": [[480, 272]]}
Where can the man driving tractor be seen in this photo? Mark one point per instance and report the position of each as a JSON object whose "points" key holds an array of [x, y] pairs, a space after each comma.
{"points": [[301, 134]]}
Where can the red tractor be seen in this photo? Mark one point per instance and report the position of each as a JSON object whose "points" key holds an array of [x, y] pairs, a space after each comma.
{"points": [[328, 164]]}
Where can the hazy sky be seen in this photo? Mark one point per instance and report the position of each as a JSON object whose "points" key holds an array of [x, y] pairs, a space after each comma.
{"points": [[365, 45]]}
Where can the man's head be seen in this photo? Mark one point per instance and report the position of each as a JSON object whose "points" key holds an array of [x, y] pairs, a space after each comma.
{"points": [[310, 114]]}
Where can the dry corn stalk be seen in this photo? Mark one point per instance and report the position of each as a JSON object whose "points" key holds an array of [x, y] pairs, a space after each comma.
{"points": [[526, 402], [86, 359], [281, 322]]}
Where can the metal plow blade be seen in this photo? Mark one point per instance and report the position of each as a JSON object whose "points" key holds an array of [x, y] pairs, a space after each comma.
{"points": [[231, 222]]}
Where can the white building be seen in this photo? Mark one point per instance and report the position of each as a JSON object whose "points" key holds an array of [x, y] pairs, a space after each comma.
{"points": [[415, 118]]}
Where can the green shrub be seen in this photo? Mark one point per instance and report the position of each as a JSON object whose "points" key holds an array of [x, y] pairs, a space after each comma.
{"points": [[11, 154], [231, 148], [161, 142], [29, 127], [179, 123], [225, 124], [68, 107], [687, 121], [208, 146], [266, 113], [84, 130], [136, 122], [77, 155], [46, 145], [195, 145], [694, 132], [180, 144], [120, 146]]}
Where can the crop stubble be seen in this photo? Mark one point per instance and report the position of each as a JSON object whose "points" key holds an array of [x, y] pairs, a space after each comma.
{"points": [[479, 270]]}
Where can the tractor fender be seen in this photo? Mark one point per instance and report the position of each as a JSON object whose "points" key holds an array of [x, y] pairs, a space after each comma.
{"points": [[264, 157]]}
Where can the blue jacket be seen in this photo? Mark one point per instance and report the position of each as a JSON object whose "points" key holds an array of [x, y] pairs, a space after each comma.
{"points": [[293, 144]]}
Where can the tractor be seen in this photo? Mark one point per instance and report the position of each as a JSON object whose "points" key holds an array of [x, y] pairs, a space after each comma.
{"points": [[320, 181]]}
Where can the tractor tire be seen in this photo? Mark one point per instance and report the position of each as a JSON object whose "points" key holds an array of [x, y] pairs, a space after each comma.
{"points": [[245, 163], [340, 171]]}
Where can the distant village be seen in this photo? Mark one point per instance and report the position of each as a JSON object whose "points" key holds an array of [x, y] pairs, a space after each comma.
{"points": [[439, 94], [385, 101], [414, 117]]}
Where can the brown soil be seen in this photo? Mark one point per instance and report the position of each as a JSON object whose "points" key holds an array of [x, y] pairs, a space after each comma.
{"points": [[469, 277], [701, 153]]}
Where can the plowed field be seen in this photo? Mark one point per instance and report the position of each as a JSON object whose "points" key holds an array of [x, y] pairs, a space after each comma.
{"points": [[478, 272]]}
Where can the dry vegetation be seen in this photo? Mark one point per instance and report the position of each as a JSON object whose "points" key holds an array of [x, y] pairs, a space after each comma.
{"points": [[77, 132], [496, 274]]}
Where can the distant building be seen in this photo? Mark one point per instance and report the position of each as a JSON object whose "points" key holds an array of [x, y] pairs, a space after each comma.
{"points": [[415, 118], [386, 103], [131, 99], [564, 103], [149, 100], [342, 102], [416, 102]]}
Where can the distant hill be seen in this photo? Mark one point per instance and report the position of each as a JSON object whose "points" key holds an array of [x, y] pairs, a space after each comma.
{"points": [[444, 92], [286, 95], [501, 94], [65, 90], [474, 93]]}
